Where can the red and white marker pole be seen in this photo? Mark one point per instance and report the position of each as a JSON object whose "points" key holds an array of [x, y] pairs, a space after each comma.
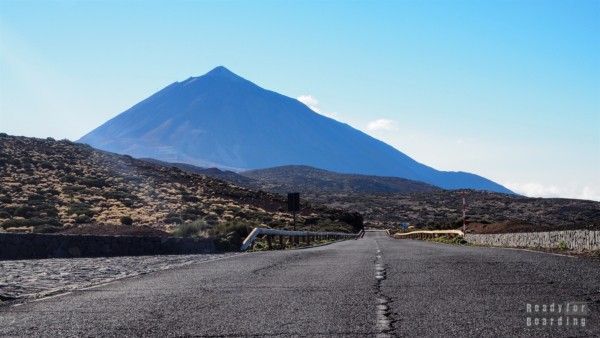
{"points": [[464, 212]]}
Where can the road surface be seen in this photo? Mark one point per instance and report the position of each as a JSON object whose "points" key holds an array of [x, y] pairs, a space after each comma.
{"points": [[375, 286]]}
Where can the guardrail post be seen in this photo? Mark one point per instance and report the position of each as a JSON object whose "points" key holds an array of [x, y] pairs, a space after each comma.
{"points": [[281, 245], [269, 245]]}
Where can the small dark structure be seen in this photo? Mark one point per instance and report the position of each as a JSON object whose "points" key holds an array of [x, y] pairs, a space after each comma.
{"points": [[293, 201]]}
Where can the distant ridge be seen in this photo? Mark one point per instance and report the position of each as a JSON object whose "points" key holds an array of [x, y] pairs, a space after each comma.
{"points": [[390, 201], [225, 175], [223, 120], [308, 179]]}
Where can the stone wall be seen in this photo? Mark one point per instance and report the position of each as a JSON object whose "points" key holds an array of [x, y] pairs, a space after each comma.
{"points": [[27, 246], [578, 240]]}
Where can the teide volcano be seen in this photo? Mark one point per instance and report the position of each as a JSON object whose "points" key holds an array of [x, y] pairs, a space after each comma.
{"points": [[220, 119]]}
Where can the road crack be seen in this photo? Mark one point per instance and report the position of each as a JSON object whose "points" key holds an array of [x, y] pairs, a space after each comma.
{"points": [[384, 316]]}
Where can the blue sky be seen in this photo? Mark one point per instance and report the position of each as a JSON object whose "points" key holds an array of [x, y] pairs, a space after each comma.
{"points": [[509, 90]]}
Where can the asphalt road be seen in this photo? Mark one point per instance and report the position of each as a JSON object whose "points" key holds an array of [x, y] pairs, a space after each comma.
{"points": [[367, 287]]}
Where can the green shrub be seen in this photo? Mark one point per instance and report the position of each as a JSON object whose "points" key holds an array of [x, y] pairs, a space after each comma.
{"points": [[211, 219], [19, 223], [72, 189], [46, 165], [193, 229], [454, 240], [126, 220], [230, 235], [83, 219], [127, 202], [52, 192], [93, 182], [189, 198], [192, 213], [117, 194], [69, 178], [24, 211], [219, 210], [173, 218], [562, 245], [81, 208], [46, 229], [241, 227]]}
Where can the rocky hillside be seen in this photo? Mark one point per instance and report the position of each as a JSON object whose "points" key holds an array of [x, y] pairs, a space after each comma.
{"points": [[388, 202], [48, 185], [486, 212]]}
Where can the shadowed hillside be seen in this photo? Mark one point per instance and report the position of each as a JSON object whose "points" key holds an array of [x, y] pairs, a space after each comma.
{"points": [[225, 175], [307, 179]]}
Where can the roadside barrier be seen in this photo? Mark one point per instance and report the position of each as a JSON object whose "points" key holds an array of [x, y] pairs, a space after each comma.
{"points": [[294, 237], [425, 234]]}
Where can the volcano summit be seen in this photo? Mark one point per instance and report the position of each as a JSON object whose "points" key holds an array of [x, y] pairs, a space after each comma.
{"points": [[223, 120]]}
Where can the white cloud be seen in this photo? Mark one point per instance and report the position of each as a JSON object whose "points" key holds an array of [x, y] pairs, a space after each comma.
{"points": [[588, 193], [312, 103], [382, 124], [534, 189]]}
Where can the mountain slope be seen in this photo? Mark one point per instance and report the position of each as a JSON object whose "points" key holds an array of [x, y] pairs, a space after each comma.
{"points": [[224, 175], [220, 119], [387, 202], [64, 185], [307, 180]]}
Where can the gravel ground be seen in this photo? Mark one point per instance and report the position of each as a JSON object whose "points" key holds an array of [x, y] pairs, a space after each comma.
{"points": [[36, 278]]}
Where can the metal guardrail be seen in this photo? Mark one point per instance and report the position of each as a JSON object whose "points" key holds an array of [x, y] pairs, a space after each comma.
{"points": [[294, 236], [423, 234]]}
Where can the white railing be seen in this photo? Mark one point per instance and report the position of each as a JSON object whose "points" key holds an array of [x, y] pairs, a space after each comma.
{"points": [[422, 234], [294, 236]]}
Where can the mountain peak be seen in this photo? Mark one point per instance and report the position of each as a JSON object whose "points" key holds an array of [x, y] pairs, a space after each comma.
{"points": [[221, 71], [223, 120]]}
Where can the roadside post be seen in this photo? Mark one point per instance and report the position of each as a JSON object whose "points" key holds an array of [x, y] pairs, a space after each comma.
{"points": [[464, 211], [293, 202]]}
